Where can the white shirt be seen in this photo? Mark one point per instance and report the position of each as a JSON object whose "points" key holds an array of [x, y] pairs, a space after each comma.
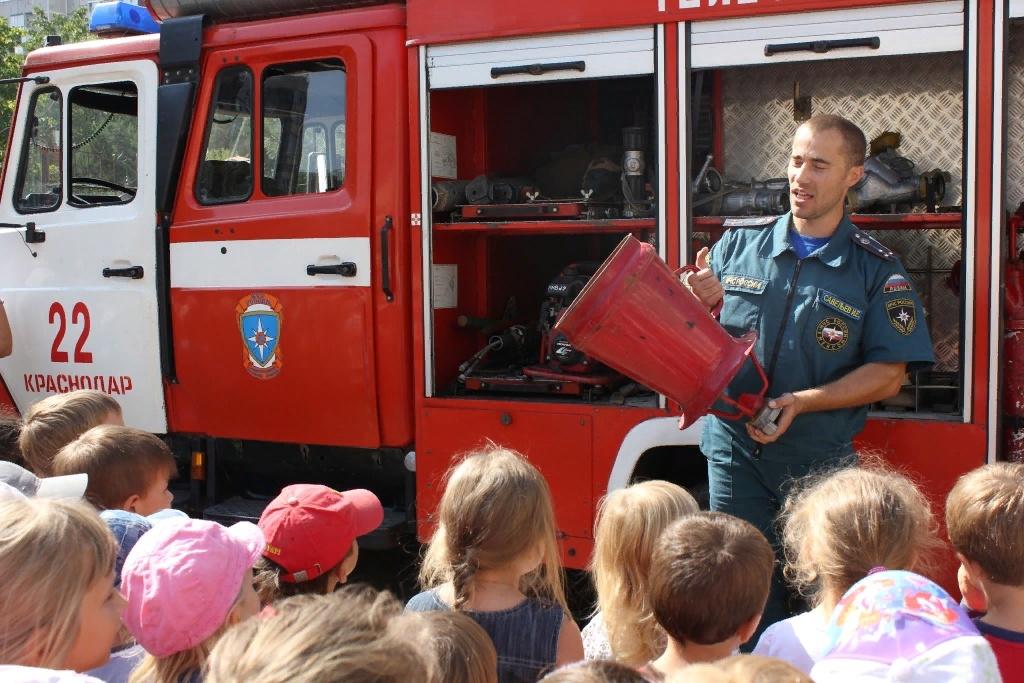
{"points": [[800, 640], [595, 640], [27, 674]]}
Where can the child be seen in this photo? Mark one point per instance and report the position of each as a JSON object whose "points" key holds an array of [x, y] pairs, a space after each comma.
{"points": [[463, 651], [56, 421], [835, 530], [311, 533], [186, 582], [709, 584], [494, 557], [29, 485], [758, 669], [629, 522], [60, 609], [10, 429], [600, 671], [128, 468], [127, 528], [350, 636], [985, 518], [898, 626]]}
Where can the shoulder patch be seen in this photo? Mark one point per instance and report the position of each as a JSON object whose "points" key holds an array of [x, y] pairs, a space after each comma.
{"points": [[869, 243], [750, 222]]}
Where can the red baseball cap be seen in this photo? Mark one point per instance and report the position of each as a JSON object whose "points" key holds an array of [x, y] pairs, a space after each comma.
{"points": [[309, 528]]}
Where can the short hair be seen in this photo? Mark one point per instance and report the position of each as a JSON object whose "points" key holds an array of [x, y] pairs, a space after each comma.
{"points": [[595, 671], [853, 137], [270, 587], [710, 575], [356, 635], [51, 554], [56, 421], [120, 461], [10, 429], [985, 519], [463, 651]]}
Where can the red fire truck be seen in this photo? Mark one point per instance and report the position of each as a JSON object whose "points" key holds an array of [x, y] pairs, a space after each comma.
{"points": [[327, 239]]}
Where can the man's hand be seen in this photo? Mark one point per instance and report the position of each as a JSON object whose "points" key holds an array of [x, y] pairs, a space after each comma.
{"points": [[791, 407], [703, 283]]}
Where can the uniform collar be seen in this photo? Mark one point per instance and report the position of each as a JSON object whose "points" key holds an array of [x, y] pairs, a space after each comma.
{"points": [[834, 253]]}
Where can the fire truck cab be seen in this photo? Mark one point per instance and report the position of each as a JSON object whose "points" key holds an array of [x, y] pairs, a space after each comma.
{"points": [[327, 241]]}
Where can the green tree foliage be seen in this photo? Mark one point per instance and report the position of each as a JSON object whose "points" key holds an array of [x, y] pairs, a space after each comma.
{"points": [[15, 43], [73, 28]]}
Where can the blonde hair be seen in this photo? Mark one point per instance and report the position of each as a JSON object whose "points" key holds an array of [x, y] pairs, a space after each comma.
{"points": [[595, 671], [758, 669], [58, 420], [120, 461], [985, 520], [270, 587], [839, 526], [629, 522], [355, 635], [496, 507], [463, 650], [51, 553]]}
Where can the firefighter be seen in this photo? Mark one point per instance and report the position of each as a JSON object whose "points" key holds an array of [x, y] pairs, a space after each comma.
{"points": [[839, 326]]}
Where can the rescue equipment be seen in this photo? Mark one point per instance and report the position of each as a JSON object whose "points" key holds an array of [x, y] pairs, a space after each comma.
{"points": [[638, 318], [890, 181]]}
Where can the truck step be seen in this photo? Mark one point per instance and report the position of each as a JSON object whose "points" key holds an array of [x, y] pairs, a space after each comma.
{"points": [[386, 537]]}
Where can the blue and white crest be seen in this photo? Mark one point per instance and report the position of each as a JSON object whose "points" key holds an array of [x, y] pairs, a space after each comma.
{"points": [[259, 322]]}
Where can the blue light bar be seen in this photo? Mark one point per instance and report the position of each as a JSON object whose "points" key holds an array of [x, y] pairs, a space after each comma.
{"points": [[121, 18]]}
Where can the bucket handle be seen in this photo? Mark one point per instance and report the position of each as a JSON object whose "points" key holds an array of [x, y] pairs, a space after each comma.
{"points": [[689, 270], [748, 404]]}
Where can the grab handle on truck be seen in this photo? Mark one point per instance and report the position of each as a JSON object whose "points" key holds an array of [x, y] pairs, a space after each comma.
{"points": [[133, 272], [822, 46], [346, 269], [536, 69], [385, 258]]}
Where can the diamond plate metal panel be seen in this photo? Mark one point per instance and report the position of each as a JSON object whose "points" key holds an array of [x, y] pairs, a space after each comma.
{"points": [[1015, 119], [919, 96]]}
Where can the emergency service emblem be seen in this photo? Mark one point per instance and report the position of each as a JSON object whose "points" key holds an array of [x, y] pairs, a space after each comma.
{"points": [[902, 315], [832, 333], [259, 323]]}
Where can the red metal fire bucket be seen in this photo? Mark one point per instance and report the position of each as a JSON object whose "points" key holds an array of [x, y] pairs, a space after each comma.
{"points": [[637, 317]]}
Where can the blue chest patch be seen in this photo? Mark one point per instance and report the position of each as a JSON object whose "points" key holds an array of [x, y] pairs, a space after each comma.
{"points": [[743, 283]]}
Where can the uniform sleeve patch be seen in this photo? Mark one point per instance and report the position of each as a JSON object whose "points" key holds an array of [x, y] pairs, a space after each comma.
{"points": [[835, 303], [897, 283], [743, 283], [750, 222], [902, 314]]}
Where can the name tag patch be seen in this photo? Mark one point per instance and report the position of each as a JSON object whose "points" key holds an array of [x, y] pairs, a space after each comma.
{"points": [[743, 283], [834, 302], [897, 283], [832, 333], [902, 314]]}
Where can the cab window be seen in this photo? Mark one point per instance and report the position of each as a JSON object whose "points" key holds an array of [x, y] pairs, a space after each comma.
{"points": [[303, 108], [103, 144], [225, 174], [40, 178]]}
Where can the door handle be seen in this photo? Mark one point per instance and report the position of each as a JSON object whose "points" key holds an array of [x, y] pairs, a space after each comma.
{"points": [[133, 272], [385, 258], [822, 46], [536, 69], [347, 269]]}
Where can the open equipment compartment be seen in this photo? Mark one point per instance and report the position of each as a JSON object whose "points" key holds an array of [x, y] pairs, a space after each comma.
{"points": [[901, 72], [543, 152]]}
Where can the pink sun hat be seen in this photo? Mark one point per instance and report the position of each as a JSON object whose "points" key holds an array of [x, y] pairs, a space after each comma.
{"points": [[182, 578]]}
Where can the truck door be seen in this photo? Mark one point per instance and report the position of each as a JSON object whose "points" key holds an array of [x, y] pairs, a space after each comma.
{"points": [[271, 247], [83, 303]]}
